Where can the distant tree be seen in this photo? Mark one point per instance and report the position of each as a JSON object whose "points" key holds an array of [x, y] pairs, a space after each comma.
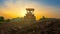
{"points": [[43, 17], [8, 20], [1, 18]]}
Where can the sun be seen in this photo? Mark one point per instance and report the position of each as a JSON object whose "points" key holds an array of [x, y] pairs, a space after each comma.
{"points": [[22, 13]]}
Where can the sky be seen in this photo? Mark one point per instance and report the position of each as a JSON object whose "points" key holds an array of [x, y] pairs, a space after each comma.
{"points": [[17, 8]]}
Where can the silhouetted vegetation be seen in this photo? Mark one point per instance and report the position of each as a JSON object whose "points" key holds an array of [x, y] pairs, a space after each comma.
{"points": [[1, 18], [42, 26]]}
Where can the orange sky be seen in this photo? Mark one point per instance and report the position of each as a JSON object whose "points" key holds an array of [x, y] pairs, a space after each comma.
{"points": [[12, 10]]}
